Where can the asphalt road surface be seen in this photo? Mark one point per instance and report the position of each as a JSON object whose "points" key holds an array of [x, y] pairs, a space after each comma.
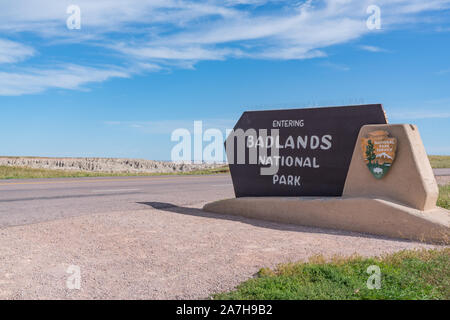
{"points": [[442, 172], [31, 201]]}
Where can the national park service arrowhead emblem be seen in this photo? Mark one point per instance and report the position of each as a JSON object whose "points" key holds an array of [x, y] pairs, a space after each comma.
{"points": [[379, 152]]}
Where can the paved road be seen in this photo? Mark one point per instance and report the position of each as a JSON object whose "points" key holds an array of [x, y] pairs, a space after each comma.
{"points": [[442, 172], [30, 201]]}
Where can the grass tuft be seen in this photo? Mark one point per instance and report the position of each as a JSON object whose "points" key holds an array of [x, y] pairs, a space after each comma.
{"points": [[444, 197]]}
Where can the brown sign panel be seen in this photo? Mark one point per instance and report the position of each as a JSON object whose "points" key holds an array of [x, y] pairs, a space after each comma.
{"points": [[310, 148]]}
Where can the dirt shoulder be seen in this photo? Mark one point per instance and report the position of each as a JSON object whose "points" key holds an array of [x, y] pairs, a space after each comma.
{"points": [[165, 253]]}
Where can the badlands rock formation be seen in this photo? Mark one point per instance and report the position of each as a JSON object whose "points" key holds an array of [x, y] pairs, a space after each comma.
{"points": [[104, 164]]}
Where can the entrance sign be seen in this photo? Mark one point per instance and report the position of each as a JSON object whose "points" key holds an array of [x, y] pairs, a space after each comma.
{"points": [[379, 152], [310, 150], [392, 200]]}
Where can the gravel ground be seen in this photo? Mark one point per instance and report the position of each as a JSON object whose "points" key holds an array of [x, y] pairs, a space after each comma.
{"points": [[163, 253]]}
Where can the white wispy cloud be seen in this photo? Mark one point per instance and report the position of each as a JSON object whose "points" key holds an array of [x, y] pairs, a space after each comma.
{"points": [[31, 81], [49, 16], [372, 48], [181, 53], [11, 51], [150, 35], [335, 66], [443, 71]]}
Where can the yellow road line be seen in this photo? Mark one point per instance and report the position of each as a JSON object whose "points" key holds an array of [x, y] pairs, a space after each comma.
{"points": [[105, 180]]}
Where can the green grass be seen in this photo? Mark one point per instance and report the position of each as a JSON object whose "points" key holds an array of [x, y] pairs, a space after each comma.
{"points": [[440, 161], [7, 172], [404, 275], [444, 197]]}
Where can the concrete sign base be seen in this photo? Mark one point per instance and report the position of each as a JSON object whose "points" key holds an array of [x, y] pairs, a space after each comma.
{"points": [[402, 204], [375, 216]]}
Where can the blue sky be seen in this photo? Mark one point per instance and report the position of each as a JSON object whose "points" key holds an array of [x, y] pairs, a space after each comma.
{"points": [[136, 70]]}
